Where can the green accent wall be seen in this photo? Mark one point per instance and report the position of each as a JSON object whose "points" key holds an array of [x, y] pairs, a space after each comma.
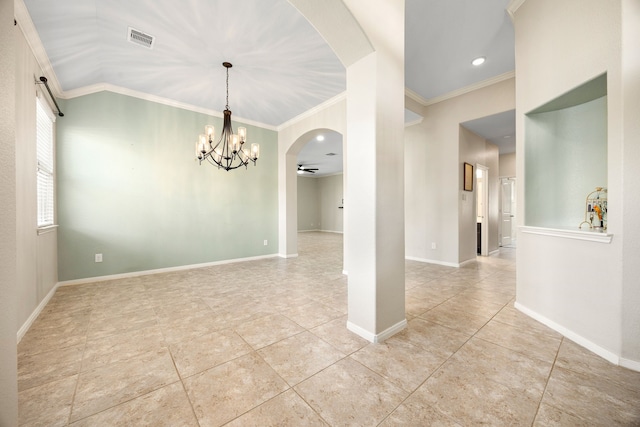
{"points": [[129, 187], [565, 159]]}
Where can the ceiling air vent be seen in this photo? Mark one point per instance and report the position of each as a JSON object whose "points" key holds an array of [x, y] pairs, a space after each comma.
{"points": [[330, 154], [138, 37]]}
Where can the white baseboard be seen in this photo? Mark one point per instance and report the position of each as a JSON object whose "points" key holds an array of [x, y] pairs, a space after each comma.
{"points": [[161, 270], [331, 231], [433, 261], [467, 262], [25, 327], [288, 255], [579, 339], [377, 338], [630, 364]]}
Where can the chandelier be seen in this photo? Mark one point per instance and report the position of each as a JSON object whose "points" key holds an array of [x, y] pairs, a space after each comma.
{"points": [[228, 153]]}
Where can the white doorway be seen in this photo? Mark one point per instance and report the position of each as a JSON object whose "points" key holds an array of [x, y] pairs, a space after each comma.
{"points": [[482, 209], [508, 212]]}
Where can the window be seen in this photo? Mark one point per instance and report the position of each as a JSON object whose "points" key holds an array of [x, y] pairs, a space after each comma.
{"points": [[44, 154]]}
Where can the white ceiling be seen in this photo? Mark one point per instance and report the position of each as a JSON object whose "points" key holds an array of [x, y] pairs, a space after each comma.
{"points": [[444, 36], [315, 153], [281, 66], [499, 129]]}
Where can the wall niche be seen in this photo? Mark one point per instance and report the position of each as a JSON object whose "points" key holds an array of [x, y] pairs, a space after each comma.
{"points": [[565, 155]]}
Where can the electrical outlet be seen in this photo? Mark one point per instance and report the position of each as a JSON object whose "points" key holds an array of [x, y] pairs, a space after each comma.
{"points": [[266, 243], [433, 245], [98, 257]]}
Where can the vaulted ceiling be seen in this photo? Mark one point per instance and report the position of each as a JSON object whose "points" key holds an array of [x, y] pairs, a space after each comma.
{"points": [[282, 67]]}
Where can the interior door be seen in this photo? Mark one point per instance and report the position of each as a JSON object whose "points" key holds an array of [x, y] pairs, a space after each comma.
{"points": [[508, 187]]}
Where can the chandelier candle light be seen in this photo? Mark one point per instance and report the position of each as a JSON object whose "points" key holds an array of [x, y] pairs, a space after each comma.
{"points": [[229, 152]]}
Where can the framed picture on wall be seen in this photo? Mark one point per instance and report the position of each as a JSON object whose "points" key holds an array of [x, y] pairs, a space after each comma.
{"points": [[468, 177]]}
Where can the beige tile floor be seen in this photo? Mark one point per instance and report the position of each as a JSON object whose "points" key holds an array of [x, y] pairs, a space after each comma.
{"points": [[265, 344]]}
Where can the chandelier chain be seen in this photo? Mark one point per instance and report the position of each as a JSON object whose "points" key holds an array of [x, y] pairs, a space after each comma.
{"points": [[227, 106]]}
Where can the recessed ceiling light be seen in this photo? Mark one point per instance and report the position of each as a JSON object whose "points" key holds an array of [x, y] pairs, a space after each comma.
{"points": [[507, 136], [320, 138], [478, 61]]}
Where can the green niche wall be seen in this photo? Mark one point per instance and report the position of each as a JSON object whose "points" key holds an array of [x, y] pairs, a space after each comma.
{"points": [[565, 156], [130, 189]]}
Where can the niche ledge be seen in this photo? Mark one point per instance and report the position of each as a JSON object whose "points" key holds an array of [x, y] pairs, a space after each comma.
{"points": [[568, 233]]}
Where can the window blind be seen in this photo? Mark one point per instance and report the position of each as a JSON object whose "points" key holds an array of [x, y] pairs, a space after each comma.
{"points": [[45, 173]]}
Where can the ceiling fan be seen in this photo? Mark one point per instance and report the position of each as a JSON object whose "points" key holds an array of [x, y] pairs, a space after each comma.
{"points": [[303, 169]]}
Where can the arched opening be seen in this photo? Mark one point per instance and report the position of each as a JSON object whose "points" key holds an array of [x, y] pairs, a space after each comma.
{"points": [[316, 192]]}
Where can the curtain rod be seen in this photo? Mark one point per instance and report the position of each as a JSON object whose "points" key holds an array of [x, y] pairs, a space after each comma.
{"points": [[43, 80]]}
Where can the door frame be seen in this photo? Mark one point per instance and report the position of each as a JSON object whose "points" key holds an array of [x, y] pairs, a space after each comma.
{"points": [[484, 228]]}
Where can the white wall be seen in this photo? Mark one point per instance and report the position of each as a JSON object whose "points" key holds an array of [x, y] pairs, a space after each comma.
{"points": [[433, 172], [631, 129], [318, 201], [308, 204], [8, 284], [577, 286], [507, 165], [331, 196]]}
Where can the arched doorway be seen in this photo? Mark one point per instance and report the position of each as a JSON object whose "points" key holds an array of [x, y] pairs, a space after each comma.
{"points": [[326, 156]]}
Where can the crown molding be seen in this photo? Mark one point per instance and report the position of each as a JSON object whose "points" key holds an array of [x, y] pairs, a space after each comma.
{"points": [[411, 94], [414, 122], [470, 88], [100, 87], [513, 6], [33, 40], [326, 104]]}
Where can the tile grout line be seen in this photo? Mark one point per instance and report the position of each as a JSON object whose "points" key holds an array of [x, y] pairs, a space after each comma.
{"points": [[553, 365], [440, 366], [127, 400], [75, 390]]}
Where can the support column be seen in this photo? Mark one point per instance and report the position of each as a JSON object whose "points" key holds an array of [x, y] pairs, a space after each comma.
{"points": [[630, 321], [374, 206], [368, 37]]}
